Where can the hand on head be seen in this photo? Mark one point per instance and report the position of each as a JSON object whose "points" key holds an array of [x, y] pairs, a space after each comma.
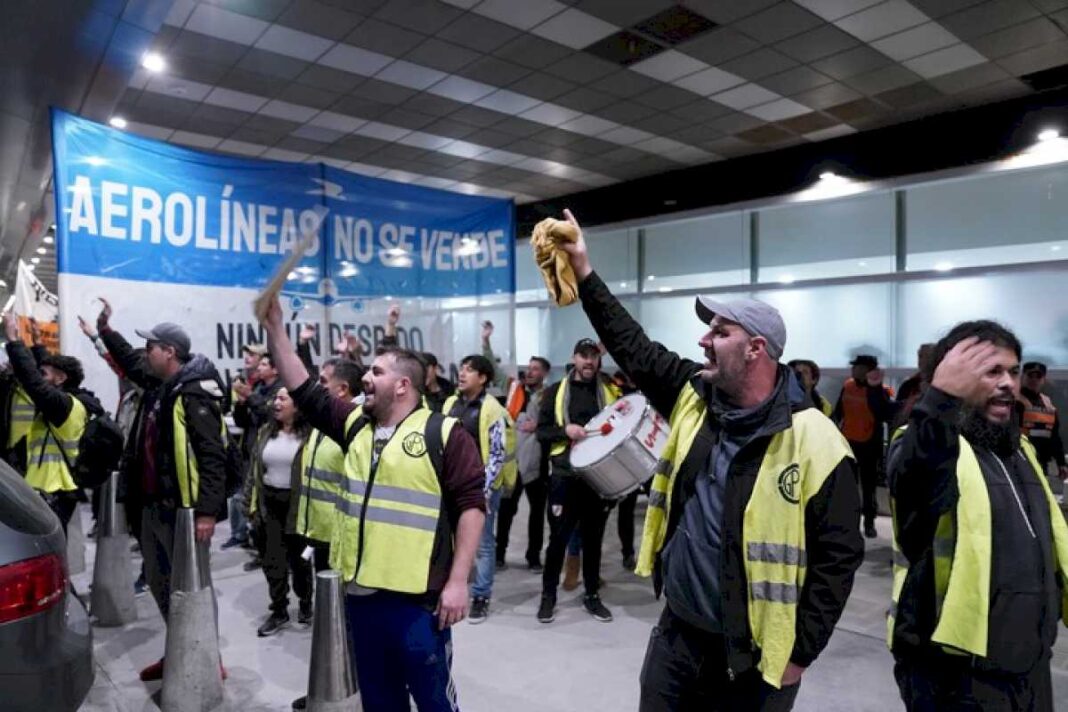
{"points": [[961, 372]]}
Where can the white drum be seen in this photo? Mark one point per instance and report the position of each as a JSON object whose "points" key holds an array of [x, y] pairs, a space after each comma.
{"points": [[623, 446]]}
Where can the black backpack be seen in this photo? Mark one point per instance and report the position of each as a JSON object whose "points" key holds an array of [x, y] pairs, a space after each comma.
{"points": [[99, 451]]}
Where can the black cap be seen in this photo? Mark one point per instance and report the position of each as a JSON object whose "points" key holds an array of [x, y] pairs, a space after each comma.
{"points": [[586, 346], [1034, 366], [429, 359], [865, 360], [170, 335]]}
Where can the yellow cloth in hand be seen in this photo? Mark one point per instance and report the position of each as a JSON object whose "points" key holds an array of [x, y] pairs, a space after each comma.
{"points": [[553, 262]]}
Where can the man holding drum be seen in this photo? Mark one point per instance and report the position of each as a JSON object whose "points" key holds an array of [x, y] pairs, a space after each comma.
{"points": [[565, 409], [753, 523]]}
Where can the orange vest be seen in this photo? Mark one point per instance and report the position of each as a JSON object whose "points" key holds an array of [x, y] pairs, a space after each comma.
{"points": [[858, 422], [1038, 420], [517, 399]]}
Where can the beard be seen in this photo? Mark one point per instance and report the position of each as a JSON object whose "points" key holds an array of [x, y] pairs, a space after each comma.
{"points": [[381, 404], [1000, 438]]}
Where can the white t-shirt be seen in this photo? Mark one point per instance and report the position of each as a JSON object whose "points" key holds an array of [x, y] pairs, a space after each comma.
{"points": [[278, 456]]}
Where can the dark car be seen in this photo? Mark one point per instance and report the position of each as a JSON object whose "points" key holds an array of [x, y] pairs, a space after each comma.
{"points": [[46, 643]]}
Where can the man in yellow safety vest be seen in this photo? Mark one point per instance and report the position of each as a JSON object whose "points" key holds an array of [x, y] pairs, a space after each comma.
{"points": [[980, 544], [409, 516], [753, 521]]}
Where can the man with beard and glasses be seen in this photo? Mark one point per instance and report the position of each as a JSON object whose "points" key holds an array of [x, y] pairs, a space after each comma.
{"points": [[981, 547], [752, 529], [408, 521]]}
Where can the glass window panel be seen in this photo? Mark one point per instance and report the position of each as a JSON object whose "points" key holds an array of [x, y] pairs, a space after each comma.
{"points": [[829, 325], [838, 238], [1031, 303], [996, 219], [614, 254], [705, 252], [529, 285]]}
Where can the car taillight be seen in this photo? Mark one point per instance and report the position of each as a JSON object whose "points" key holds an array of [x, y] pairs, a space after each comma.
{"points": [[31, 586]]}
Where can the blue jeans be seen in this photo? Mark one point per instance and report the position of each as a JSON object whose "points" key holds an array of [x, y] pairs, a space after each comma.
{"points": [[238, 522], [486, 559], [398, 650]]}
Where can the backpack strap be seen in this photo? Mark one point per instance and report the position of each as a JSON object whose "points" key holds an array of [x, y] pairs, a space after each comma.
{"points": [[435, 445]]}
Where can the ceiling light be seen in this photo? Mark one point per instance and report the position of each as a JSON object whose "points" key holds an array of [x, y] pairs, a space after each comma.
{"points": [[862, 263], [153, 62], [95, 161], [3, 283], [943, 266], [786, 279], [1049, 134], [118, 122], [35, 260], [48, 239], [651, 277], [828, 175], [1055, 248], [41, 250]]}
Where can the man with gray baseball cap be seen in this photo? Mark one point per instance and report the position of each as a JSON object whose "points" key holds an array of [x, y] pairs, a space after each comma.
{"points": [[752, 531], [168, 334]]}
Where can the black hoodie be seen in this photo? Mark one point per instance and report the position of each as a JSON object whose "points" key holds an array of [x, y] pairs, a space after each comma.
{"points": [[200, 387]]}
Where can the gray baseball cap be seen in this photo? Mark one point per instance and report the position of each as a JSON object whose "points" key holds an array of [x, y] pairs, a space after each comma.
{"points": [[169, 334], [756, 317]]}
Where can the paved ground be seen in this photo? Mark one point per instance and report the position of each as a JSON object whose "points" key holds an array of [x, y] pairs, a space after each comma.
{"points": [[510, 663]]}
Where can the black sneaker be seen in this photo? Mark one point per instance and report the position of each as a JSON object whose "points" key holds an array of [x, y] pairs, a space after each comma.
{"points": [[596, 609], [629, 562], [534, 566], [253, 565], [230, 543], [301, 703], [869, 530], [273, 625], [304, 616], [502, 565], [547, 610], [479, 610]]}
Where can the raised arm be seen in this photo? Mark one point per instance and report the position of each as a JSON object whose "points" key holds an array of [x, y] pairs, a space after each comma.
{"points": [[52, 402], [322, 410], [131, 363], [659, 373]]}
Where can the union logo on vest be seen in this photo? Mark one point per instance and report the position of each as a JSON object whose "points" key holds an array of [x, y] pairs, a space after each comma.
{"points": [[414, 445], [788, 481]]}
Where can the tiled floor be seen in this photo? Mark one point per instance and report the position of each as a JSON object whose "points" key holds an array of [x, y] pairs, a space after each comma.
{"points": [[511, 663]]}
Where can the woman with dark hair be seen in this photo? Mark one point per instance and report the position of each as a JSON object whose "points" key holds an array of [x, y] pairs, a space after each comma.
{"points": [[276, 461]]}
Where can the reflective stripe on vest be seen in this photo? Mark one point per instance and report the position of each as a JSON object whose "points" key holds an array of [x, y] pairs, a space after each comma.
{"points": [[322, 475], [489, 413], [962, 549], [46, 464], [607, 394], [796, 464], [387, 518], [1038, 421], [858, 422]]}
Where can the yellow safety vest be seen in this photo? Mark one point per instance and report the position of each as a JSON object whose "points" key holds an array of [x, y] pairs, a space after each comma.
{"points": [[607, 394], [46, 468], [796, 465], [20, 417], [387, 519], [321, 474], [962, 558], [490, 412]]}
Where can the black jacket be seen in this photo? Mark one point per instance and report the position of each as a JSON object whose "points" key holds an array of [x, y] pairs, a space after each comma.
{"points": [[834, 546], [1024, 597], [201, 388]]}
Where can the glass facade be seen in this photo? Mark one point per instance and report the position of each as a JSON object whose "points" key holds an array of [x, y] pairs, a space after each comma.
{"points": [[843, 272]]}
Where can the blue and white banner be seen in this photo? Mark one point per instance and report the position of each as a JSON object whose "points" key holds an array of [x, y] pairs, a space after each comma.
{"points": [[167, 233]]}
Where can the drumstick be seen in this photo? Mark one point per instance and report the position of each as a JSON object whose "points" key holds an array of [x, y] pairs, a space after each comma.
{"points": [[604, 429], [263, 301]]}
